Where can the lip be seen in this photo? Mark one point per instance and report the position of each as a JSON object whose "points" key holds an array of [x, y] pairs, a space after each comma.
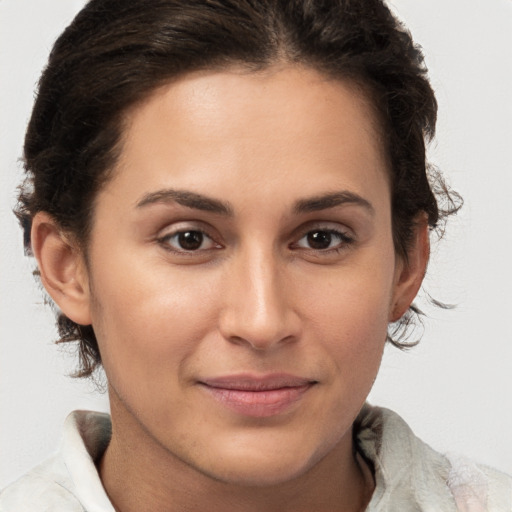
{"points": [[258, 396]]}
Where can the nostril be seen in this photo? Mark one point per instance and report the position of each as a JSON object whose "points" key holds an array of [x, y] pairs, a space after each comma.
{"points": [[261, 343]]}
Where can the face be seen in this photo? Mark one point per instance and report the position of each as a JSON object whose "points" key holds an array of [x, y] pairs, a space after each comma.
{"points": [[241, 270]]}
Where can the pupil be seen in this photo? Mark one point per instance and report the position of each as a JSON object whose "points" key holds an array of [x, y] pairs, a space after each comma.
{"points": [[319, 239], [190, 240]]}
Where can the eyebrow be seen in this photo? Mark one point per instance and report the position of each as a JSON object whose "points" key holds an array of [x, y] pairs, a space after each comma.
{"points": [[188, 199], [209, 204], [331, 200]]}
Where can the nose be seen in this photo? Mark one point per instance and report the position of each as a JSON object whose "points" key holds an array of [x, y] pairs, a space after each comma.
{"points": [[259, 303]]}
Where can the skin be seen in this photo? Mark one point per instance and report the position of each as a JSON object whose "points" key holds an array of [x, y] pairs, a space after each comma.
{"points": [[256, 297]]}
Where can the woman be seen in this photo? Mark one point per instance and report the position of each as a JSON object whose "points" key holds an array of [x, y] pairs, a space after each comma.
{"points": [[230, 205]]}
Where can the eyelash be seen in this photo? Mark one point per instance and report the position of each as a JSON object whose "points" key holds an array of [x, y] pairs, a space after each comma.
{"points": [[164, 241], [344, 242]]}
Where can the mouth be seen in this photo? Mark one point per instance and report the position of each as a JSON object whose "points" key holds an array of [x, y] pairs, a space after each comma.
{"points": [[258, 396]]}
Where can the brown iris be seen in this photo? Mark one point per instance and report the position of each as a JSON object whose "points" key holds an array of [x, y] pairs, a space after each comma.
{"points": [[190, 240], [319, 239]]}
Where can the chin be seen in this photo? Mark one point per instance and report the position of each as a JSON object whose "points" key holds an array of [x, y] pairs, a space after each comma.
{"points": [[263, 465], [247, 473]]}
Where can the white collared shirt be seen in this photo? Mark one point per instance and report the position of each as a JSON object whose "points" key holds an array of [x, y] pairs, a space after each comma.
{"points": [[409, 475]]}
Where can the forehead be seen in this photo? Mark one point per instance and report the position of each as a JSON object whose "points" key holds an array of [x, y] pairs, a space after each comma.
{"points": [[211, 129]]}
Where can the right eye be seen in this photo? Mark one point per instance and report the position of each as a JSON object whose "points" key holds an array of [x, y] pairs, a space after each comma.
{"points": [[187, 240]]}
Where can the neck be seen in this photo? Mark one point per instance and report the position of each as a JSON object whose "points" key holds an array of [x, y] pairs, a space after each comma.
{"points": [[139, 473]]}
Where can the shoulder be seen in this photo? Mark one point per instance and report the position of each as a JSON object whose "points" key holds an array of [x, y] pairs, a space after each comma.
{"points": [[407, 470], [45, 488], [68, 481], [481, 487]]}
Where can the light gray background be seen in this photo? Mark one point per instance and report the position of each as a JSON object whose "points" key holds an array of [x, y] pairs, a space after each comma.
{"points": [[455, 388]]}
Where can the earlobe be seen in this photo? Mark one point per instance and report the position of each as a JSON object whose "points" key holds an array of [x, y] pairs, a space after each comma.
{"points": [[409, 274], [62, 268]]}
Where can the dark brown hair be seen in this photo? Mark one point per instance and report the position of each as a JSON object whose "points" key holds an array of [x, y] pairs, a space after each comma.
{"points": [[116, 52]]}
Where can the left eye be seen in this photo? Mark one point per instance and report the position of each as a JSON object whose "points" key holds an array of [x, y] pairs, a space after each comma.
{"points": [[188, 241], [323, 239]]}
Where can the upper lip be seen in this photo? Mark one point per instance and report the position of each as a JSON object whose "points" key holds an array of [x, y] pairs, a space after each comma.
{"points": [[250, 382]]}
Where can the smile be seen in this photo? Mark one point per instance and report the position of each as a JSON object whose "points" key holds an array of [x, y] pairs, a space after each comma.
{"points": [[258, 397]]}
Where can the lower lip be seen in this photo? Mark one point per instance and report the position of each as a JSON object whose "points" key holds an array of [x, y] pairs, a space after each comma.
{"points": [[258, 404]]}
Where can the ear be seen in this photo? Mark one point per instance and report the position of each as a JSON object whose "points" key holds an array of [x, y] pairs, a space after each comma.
{"points": [[62, 268], [409, 274]]}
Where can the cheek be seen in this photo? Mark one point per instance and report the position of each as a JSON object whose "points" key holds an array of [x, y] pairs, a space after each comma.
{"points": [[346, 329], [348, 316], [353, 337], [148, 317], [352, 300]]}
